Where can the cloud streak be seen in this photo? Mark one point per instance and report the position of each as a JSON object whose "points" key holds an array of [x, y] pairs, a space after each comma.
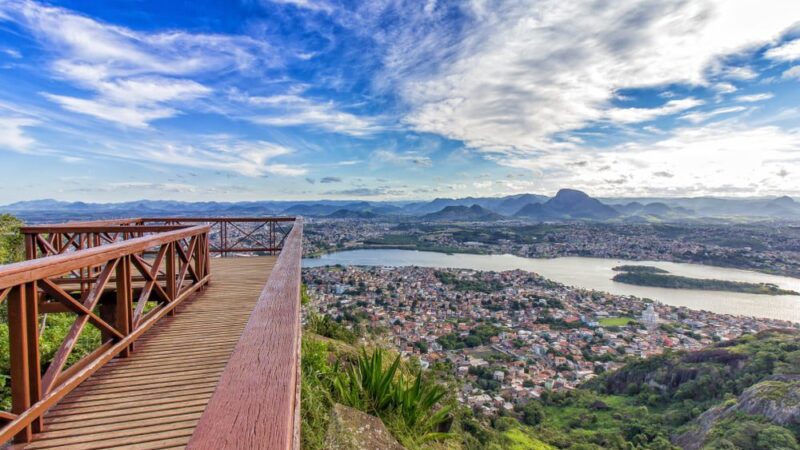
{"points": [[134, 78]]}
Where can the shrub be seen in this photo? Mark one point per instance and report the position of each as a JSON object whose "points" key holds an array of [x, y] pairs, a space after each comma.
{"points": [[409, 407]]}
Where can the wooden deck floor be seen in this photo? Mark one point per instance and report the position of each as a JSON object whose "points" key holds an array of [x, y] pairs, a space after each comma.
{"points": [[154, 398]]}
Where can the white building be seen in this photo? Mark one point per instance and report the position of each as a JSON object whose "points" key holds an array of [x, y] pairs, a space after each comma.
{"points": [[650, 317]]}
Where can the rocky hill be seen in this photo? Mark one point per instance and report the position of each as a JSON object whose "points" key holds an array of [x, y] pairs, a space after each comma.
{"points": [[472, 213], [568, 204]]}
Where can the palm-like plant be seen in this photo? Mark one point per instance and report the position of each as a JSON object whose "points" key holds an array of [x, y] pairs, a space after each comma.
{"points": [[371, 386], [416, 403]]}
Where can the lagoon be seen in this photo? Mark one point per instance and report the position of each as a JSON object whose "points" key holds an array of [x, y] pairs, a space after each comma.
{"points": [[596, 273]]}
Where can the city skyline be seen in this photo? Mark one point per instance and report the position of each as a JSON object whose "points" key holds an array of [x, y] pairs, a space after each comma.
{"points": [[393, 100]]}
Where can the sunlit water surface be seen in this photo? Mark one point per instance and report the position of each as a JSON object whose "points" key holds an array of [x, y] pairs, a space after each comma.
{"points": [[596, 273]]}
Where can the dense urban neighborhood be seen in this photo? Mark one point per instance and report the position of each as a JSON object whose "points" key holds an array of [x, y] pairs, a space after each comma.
{"points": [[511, 335]]}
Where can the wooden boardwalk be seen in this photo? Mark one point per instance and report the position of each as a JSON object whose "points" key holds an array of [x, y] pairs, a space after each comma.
{"points": [[154, 398]]}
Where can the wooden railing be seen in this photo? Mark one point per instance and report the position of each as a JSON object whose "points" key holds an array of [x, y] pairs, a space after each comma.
{"points": [[228, 235], [256, 403], [96, 282]]}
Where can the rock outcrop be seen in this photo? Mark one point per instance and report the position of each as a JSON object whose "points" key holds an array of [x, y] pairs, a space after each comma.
{"points": [[777, 399], [351, 429]]}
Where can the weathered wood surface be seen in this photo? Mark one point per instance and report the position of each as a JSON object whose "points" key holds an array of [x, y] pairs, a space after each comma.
{"points": [[255, 403], [155, 397]]}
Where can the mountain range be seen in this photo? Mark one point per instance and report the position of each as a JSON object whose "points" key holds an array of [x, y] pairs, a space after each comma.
{"points": [[567, 204]]}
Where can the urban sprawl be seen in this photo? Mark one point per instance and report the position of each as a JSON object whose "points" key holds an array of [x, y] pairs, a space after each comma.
{"points": [[511, 335]]}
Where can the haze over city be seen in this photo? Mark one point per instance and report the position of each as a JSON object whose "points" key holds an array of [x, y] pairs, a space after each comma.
{"points": [[397, 100]]}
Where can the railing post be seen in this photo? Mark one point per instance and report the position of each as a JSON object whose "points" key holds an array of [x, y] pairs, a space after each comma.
{"points": [[272, 237], [199, 256], [223, 237], [30, 246], [18, 352], [124, 303], [34, 361], [171, 274]]}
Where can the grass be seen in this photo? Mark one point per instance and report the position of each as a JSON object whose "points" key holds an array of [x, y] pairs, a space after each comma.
{"points": [[615, 321], [518, 440]]}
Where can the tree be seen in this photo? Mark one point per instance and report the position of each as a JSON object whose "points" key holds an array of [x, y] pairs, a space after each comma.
{"points": [[11, 249], [775, 437], [532, 413]]}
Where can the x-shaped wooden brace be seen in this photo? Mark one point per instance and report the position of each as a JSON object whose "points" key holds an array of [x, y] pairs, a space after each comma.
{"points": [[247, 235], [185, 257], [150, 273], [84, 310]]}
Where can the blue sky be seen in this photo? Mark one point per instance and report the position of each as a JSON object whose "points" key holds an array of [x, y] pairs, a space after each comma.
{"points": [[394, 99]]}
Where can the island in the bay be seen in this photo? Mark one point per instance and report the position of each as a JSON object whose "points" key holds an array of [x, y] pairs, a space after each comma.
{"points": [[657, 277]]}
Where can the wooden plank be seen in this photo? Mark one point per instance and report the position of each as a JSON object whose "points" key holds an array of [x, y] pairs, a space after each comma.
{"points": [[254, 405], [77, 426], [101, 434], [170, 433], [173, 371], [20, 423]]}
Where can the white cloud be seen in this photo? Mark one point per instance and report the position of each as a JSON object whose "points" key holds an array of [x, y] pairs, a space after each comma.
{"points": [[527, 71], [742, 73], [161, 187], [725, 88], [722, 158], [635, 115], [134, 101], [755, 97], [292, 110], [12, 133], [12, 53], [789, 51], [249, 158], [314, 5], [697, 117], [793, 72], [134, 77], [391, 158]]}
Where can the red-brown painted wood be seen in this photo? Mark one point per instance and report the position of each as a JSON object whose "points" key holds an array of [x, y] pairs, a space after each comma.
{"points": [[255, 403]]}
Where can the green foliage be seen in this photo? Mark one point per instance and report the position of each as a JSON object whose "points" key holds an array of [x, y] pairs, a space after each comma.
{"points": [[466, 285], [640, 278], [408, 407], [315, 394], [615, 321], [324, 326], [11, 249], [480, 335], [638, 269], [532, 413], [750, 432]]}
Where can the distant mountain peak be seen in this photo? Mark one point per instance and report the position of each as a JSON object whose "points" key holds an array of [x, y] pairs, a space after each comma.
{"points": [[569, 204], [461, 212]]}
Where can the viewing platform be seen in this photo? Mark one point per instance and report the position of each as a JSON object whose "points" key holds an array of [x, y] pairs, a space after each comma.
{"points": [[197, 350]]}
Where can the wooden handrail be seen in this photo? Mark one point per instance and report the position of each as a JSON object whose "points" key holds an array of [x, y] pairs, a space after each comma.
{"points": [[256, 402], [36, 269], [27, 285], [218, 219], [229, 235], [84, 228]]}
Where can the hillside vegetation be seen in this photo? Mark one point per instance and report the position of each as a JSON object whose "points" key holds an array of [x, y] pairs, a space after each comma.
{"points": [[741, 394]]}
